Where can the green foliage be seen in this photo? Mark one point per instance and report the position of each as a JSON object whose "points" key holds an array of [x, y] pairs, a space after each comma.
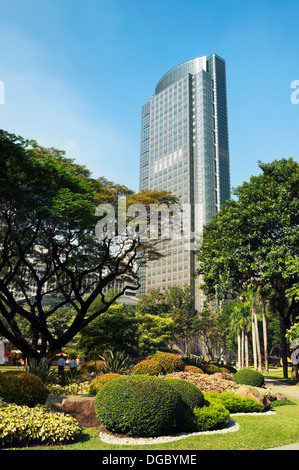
{"points": [[48, 215], [117, 328], [148, 367], [22, 425], [100, 381], [92, 366], [210, 417], [41, 370], [190, 394], [115, 361], [253, 241], [293, 332], [22, 388], [169, 361], [235, 404], [249, 377], [210, 368], [74, 388], [122, 328], [139, 406], [154, 332]]}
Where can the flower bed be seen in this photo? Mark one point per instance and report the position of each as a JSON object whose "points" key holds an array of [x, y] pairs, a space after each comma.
{"points": [[207, 383]]}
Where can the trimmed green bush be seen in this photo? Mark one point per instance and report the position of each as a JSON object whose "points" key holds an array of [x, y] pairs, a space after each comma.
{"points": [[148, 367], [22, 425], [22, 388], [169, 361], [139, 406], [194, 369], [210, 417], [249, 377], [100, 381], [190, 394], [235, 404]]}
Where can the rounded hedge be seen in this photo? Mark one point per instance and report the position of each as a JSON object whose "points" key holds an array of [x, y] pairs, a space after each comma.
{"points": [[148, 367], [249, 377], [194, 369], [139, 406], [169, 361], [100, 381], [235, 404], [22, 388], [190, 394], [210, 417]]}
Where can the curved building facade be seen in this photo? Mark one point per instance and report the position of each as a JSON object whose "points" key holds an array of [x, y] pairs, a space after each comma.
{"points": [[184, 149]]}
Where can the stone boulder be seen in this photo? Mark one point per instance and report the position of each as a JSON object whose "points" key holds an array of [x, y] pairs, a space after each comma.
{"points": [[245, 391], [80, 407]]}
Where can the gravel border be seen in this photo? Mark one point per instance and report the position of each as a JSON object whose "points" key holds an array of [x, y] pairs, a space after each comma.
{"points": [[231, 427], [110, 439]]}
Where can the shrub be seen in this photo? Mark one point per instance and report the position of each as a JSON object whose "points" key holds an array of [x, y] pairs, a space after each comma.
{"points": [[24, 425], [148, 367], [231, 369], [210, 417], [92, 366], [235, 404], [190, 394], [22, 388], [194, 370], [71, 389], [41, 370], [210, 368], [139, 406], [169, 361], [115, 362], [249, 377], [98, 382]]}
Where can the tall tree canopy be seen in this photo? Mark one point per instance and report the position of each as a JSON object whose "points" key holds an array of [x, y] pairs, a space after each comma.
{"points": [[48, 243], [254, 241]]}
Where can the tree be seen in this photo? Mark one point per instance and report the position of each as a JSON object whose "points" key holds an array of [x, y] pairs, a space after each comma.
{"points": [[211, 330], [181, 309], [253, 241], [175, 304], [239, 313], [121, 328], [153, 302], [49, 208]]}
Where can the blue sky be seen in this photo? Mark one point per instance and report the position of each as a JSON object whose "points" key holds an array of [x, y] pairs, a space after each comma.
{"points": [[77, 73]]}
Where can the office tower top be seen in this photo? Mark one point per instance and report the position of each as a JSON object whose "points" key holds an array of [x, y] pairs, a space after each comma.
{"points": [[184, 149]]}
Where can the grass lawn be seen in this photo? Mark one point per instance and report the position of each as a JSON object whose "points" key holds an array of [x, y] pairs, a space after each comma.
{"points": [[255, 433]]}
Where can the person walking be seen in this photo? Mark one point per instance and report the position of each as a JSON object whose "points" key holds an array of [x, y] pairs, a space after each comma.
{"points": [[61, 365], [73, 365]]}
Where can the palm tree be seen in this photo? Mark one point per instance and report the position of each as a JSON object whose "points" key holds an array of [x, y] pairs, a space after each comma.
{"points": [[240, 324], [253, 300]]}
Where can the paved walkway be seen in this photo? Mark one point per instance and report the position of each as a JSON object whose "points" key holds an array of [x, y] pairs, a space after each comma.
{"points": [[291, 391]]}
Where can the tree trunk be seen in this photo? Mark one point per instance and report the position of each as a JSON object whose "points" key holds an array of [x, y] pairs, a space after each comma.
{"points": [[265, 337], [284, 346], [239, 351], [246, 349], [243, 348], [253, 339], [257, 338]]}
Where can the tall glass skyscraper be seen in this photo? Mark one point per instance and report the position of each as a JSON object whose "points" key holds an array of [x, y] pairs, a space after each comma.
{"points": [[184, 149]]}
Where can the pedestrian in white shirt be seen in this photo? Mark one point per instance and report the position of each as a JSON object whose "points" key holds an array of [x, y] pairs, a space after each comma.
{"points": [[73, 364], [61, 365]]}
